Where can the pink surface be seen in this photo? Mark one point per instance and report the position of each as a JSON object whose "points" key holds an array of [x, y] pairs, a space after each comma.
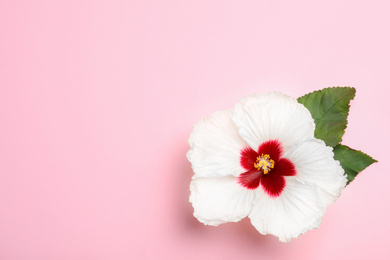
{"points": [[98, 98]]}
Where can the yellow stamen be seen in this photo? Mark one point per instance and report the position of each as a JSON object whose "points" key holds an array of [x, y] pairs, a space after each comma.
{"points": [[264, 163]]}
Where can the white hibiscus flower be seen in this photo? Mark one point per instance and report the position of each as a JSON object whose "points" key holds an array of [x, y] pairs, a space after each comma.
{"points": [[261, 160]]}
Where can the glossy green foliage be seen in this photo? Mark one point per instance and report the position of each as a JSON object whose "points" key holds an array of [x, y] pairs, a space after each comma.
{"points": [[351, 160], [329, 107]]}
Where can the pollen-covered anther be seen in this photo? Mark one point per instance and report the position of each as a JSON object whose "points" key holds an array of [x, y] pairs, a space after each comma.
{"points": [[264, 163]]}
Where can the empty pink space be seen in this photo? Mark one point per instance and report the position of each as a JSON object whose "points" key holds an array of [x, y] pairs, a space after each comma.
{"points": [[98, 99]]}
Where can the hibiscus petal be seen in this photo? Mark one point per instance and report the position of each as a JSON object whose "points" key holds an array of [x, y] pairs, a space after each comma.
{"points": [[295, 211], [250, 179], [220, 199], [216, 146], [273, 148], [248, 158], [273, 185], [314, 163], [284, 167], [273, 116]]}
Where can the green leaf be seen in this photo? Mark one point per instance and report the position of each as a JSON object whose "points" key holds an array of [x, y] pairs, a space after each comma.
{"points": [[329, 108], [351, 160]]}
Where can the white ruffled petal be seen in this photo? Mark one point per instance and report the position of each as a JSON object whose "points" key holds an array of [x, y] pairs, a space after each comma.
{"points": [[220, 200], [295, 211], [273, 116], [314, 164], [216, 146]]}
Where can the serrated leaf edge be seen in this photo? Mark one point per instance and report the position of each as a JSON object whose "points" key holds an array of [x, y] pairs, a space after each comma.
{"points": [[374, 161], [349, 105], [344, 167]]}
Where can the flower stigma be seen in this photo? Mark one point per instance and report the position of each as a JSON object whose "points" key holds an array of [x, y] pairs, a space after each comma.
{"points": [[264, 163]]}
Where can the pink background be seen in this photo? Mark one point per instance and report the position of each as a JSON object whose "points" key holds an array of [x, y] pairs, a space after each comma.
{"points": [[98, 98]]}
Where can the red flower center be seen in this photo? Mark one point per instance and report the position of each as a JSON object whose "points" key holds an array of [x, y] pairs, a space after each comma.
{"points": [[266, 167]]}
